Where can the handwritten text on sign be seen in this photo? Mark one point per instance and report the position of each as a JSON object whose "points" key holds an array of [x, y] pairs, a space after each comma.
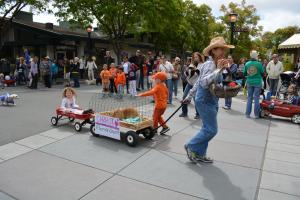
{"points": [[107, 126]]}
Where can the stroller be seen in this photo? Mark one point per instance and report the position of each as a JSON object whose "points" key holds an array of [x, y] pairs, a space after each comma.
{"points": [[287, 78]]}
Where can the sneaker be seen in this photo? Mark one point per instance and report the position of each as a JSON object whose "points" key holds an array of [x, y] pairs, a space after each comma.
{"points": [[164, 130], [256, 117], [203, 159], [189, 153], [182, 115], [226, 108], [248, 116], [197, 117]]}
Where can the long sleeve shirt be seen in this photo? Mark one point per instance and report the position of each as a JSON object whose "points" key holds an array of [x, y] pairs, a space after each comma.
{"points": [[208, 74], [69, 103], [160, 94], [274, 70], [34, 68], [91, 65]]}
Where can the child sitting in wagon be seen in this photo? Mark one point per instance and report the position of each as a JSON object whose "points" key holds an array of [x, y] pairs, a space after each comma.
{"points": [[69, 100], [293, 97]]}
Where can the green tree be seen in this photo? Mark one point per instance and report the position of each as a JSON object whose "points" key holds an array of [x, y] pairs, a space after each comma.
{"points": [[115, 18], [247, 18], [10, 8]]}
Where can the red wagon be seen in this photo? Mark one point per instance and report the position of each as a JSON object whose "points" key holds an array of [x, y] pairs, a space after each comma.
{"points": [[72, 115], [11, 82], [281, 109]]}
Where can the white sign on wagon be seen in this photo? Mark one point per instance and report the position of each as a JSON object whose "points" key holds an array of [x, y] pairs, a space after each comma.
{"points": [[107, 126]]}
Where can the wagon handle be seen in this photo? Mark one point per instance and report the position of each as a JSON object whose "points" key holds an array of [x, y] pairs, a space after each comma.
{"points": [[169, 117]]}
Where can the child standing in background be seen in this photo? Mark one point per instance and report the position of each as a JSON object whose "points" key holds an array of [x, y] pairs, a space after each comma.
{"points": [[120, 82], [113, 73], [160, 93], [105, 75], [132, 80]]}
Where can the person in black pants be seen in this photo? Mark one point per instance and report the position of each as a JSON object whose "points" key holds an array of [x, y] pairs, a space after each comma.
{"points": [[21, 72], [75, 72], [34, 73], [46, 71], [138, 59]]}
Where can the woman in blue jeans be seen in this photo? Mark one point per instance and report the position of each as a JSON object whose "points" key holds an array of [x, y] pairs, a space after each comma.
{"points": [[254, 72], [206, 102]]}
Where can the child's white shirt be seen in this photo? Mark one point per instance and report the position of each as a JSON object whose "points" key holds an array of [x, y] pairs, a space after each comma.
{"points": [[69, 103]]}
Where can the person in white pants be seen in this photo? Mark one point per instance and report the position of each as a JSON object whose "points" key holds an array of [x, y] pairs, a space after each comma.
{"points": [[132, 80], [90, 66]]}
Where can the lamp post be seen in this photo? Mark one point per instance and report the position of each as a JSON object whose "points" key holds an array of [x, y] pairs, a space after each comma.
{"points": [[89, 30], [232, 19]]}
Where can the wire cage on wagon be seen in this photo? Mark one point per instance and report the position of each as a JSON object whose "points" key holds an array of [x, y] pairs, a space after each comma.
{"points": [[134, 113]]}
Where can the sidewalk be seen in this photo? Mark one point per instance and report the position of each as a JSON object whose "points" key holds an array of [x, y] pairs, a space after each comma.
{"points": [[254, 159]]}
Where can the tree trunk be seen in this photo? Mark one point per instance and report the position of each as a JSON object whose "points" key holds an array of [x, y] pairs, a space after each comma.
{"points": [[117, 47]]}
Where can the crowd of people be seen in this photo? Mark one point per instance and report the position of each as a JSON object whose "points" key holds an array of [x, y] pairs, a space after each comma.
{"points": [[161, 77]]}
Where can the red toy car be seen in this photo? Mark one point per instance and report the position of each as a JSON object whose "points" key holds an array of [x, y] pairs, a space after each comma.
{"points": [[281, 109], [72, 115]]}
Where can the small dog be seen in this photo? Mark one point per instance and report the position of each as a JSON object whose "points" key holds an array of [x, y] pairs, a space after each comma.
{"points": [[91, 82], [8, 99]]}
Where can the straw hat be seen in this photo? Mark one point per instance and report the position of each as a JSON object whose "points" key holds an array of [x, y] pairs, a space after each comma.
{"points": [[47, 57], [160, 75], [217, 42]]}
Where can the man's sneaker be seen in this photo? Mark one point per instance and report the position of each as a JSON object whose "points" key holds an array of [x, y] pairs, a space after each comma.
{"points": [[164, 130], [226, 108], [189, 154], [203, 159], [182, 115], [197, 117]]}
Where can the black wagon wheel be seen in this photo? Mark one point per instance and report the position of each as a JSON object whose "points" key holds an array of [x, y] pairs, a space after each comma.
{"points": [[93, 130], [148, 133], [77, 126], [54, 121], [131, 138]]}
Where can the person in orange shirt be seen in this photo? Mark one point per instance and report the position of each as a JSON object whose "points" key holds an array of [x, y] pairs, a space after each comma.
{"points": [[120, 82], [160, 94], [113, 73], [105, 75]]}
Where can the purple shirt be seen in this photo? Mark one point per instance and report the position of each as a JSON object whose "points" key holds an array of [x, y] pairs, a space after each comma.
{"points": [[34, 68]]}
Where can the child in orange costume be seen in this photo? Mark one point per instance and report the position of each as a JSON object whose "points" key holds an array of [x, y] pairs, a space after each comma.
{"points": [[105, 75], [120, 82], [160, 93]]}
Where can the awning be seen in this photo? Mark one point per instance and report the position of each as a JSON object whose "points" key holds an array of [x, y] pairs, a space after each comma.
{"points": [[291, 43]]}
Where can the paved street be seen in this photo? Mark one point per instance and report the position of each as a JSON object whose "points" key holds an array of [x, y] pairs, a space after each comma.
{"points": [[254, 159]]}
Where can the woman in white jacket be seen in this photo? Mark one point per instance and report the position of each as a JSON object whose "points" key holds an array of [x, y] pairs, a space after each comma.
{"points": [[90, 66], [274, 69]]}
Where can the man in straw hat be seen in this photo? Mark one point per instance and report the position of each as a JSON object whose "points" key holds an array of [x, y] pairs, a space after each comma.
{"points": [[206, 103]]}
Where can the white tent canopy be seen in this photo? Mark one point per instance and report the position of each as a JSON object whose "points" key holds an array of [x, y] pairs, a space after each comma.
{"points": [[291, 43]]}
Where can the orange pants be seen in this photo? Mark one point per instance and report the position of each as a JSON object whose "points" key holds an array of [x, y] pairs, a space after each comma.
{"points": [[157, 117]]}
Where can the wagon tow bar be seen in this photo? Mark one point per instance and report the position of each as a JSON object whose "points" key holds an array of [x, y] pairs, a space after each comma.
{"points": [[169, 117]]}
